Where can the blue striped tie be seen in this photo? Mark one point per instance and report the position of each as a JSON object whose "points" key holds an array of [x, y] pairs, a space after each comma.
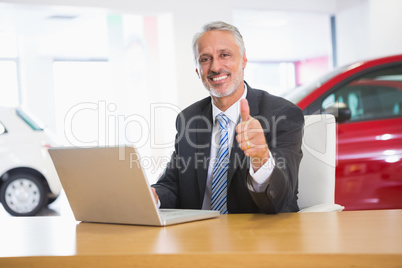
{"points": [[220, 173]]}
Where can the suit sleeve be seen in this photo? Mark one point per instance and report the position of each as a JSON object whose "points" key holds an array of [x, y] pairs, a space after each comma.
{"points": [[284, 138], [167, 186]]}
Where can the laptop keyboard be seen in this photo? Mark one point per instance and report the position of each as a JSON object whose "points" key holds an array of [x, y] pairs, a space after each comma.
{"points": [[174, 213]]}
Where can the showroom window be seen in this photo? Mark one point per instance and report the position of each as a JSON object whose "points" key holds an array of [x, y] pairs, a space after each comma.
{"points": [[8, 83], [8, 70]]}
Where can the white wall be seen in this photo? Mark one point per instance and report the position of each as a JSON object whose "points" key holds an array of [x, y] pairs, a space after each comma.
{"points": [[352, 31], [368, 29], [320, 6], [385, 17]]}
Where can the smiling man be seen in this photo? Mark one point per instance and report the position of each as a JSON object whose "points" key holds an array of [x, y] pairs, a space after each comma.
{"points": [[239, 150]]}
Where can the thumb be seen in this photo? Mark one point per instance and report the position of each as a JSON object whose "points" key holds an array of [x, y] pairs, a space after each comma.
{"points": [[244, 110]]}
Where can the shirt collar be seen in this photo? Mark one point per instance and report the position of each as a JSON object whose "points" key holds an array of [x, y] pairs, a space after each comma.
{"points": [[233, 112]]}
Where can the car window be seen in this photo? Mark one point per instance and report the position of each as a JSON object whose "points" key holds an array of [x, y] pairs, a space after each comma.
{"points": [[28, 120], [297, 94], [372, 96], [390, 101], [2, 129]]}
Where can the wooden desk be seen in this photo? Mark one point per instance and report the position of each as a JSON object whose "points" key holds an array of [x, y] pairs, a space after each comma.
{"points": [[339, 239]]}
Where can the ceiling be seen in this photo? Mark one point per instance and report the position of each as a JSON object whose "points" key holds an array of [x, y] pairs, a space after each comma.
{"points": [[57, 31]]}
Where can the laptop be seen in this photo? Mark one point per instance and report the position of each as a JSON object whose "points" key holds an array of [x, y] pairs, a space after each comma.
{"points": [[108, 185]]}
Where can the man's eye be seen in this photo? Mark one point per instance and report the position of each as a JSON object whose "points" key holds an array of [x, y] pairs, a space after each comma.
{"points": [[204, 59]]}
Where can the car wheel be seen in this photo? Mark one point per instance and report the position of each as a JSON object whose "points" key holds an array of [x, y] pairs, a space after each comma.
{"points": [[50, 200], [23, 195]]}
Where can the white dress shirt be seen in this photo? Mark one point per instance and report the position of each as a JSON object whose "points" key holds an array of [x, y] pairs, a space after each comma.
{"points": [[260, 179]]}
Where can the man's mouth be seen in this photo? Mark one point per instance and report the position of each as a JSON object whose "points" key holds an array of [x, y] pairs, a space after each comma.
{"points": [[215, 79]]}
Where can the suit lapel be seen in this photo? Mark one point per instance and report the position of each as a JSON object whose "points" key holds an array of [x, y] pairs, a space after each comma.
{"points": [[204, 127], [253, 100]]}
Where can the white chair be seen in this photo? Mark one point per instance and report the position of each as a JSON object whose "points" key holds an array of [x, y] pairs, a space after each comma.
{"points": [[317, 168]]}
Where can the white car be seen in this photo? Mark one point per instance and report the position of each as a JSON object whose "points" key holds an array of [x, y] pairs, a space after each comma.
{"points": [[28, 179]]}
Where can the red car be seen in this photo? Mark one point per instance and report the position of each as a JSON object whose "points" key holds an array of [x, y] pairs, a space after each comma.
{"points": [[366, 99]]}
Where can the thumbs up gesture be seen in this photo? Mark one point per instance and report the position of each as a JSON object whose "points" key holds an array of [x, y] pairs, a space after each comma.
{"points": [[250, 136]]}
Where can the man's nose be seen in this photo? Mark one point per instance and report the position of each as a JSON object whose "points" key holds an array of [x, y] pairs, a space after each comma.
{"points": [[216, 66]]}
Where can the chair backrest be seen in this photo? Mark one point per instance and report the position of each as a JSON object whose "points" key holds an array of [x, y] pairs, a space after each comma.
{"points": [[317, 168]]}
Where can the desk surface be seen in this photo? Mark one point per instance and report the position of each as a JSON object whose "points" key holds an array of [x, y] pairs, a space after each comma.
{"points": [[363, 238]]}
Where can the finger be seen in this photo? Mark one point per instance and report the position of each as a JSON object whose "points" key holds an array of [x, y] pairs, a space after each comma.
{"points": [[244, 110], [246, 145], [245, 136], [258, 152], [252, 126], [155, 195]]}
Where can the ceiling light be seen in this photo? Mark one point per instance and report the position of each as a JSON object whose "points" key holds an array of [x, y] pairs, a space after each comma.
{"points": [[62, 17]]}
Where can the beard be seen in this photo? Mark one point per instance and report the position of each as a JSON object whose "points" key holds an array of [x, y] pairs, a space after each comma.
{"points": [[237, 79]]}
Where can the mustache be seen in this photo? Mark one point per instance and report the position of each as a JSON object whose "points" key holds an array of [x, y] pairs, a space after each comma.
{"points": [[212, 73]]}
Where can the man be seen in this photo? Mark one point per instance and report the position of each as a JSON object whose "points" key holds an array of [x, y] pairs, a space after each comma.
{"points": [[239, 150]]}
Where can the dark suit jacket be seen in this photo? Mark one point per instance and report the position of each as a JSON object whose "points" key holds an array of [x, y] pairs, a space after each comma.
{"points": [[183, 182]]}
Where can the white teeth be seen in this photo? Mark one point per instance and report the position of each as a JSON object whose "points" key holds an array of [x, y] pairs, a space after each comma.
{"points": [[219, 78]]}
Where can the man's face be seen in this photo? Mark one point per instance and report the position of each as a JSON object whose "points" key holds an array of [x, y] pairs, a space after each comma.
{"points": [[219, 63]]}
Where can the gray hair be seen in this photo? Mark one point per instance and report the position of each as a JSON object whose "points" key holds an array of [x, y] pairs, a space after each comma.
{"points": [[220, 26]]}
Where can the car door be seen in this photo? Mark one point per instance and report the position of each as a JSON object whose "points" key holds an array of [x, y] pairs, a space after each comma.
{"points": [[369, 159]]}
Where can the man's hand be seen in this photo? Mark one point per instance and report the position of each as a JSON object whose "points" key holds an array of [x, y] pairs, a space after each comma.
{"points": [[156, 197], [250, 136]]}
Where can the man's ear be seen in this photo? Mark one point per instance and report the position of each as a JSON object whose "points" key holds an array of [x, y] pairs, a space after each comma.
{"points": [[198, 74], [244, 60]]}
